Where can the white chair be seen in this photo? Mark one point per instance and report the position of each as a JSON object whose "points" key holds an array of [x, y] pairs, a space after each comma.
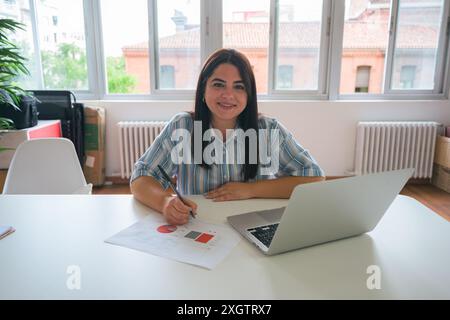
{"points": [[46, 166]]}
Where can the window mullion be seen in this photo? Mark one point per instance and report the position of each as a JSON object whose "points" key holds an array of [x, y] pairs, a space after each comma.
{"points": [[272, 61], [36, 44], [335, 49], [94, 48], [204, 29], [439, 71], [211, 27], [153, 51], [325, 37], [389, 55], [216, 24], [446, 76]]}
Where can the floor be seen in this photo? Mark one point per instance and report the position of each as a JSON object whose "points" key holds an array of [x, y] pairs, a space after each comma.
{"points": [[432, 197]]}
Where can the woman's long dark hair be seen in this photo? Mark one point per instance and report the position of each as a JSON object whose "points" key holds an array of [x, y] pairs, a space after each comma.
{"points": [[248, 119]]}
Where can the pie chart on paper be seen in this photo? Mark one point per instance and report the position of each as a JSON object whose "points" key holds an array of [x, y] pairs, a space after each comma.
{"points": [[167, 228]]}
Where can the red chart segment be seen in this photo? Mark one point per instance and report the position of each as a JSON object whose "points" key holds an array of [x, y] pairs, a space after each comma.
{"points": [[204, 237], [167, 228]]}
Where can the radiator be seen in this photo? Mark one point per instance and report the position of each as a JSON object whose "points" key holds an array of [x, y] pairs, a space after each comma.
{"points": [[385, 146], [134, 138]]}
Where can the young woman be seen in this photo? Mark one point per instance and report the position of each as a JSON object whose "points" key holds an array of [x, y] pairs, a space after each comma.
{"points": [[225, 100]]}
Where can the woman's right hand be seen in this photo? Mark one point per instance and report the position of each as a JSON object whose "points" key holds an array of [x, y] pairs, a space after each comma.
{"points": [[176, 212]]}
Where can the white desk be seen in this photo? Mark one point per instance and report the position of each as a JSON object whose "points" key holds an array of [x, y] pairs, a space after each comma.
{"points": [[411, 245]]}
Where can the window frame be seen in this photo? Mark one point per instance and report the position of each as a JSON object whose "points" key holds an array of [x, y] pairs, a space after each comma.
{"points": [[440, 90], [88, 9], [324, 52], [155, 91], [211, 24], [438, 69]]}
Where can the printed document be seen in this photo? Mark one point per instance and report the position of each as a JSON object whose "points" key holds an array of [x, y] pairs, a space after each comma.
{"points": [[197, 242]]}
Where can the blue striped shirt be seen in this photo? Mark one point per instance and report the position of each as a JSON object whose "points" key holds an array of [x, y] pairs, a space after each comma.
{"points": [[293, 159]]}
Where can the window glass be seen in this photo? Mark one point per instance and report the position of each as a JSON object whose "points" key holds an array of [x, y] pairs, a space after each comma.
{"points": [[125, 40], [416, 44], [62, 44], [285, 75], [179, 43], [246, 29], [20, 12], [365, 41], [298, 43]]}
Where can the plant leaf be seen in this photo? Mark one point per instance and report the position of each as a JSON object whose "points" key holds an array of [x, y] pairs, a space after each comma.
{"points": [[6, 124]]}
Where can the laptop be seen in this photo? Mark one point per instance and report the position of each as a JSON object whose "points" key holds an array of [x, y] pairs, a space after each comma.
{"points": [[321, 212]]}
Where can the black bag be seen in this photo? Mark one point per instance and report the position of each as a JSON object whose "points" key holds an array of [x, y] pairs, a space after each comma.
{"points": [[24, 117], [62, 105]]}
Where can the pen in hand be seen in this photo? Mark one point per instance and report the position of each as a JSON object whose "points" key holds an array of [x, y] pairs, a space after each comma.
{"points": [[174, 188]]}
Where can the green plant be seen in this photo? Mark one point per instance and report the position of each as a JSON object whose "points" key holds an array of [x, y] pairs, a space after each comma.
{"points": [[12, 65], [65, 68], [118, 80]]}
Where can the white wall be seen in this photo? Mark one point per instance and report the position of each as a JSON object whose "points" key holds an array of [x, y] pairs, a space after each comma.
{"points": [[327, 129]]}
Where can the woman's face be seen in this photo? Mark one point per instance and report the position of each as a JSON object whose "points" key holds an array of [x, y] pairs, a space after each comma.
{"points": [[225, 93]]}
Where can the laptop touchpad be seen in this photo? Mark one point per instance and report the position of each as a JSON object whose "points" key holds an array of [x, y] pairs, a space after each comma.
{"points": [[271, 216]]}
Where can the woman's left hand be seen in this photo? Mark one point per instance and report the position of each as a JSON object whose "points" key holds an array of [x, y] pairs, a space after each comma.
{"points": [[231, 191]]}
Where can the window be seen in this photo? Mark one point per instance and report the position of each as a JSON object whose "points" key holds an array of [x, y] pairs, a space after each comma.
{"points": [[246, 28], [407, 76], [24, 40], [416, 44], [402, 40], [285, 75], [125, 47], [298, 49], [365, 42], [362, 79], [64, 64], [178, 42], [298, 43], [167, 74]]}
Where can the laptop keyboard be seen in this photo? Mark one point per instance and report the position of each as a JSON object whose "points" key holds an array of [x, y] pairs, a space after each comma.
{"points": [[264, 233]]}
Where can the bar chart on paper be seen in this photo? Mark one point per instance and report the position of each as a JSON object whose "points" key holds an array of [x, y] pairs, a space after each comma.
{"points": [[194, 235], [199, 236], [191, 235], [197, 242]]}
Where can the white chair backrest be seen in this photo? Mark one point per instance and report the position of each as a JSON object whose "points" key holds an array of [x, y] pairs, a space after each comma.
{"points": [[46, 166]]}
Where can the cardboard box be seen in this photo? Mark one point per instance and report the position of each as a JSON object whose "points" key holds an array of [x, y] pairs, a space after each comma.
{"points": [[442, 152], [94, 143], [441, 177], [10, 139]]}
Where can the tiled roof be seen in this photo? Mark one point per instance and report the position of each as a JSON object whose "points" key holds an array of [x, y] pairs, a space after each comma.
{"points": [[358, 35]]}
